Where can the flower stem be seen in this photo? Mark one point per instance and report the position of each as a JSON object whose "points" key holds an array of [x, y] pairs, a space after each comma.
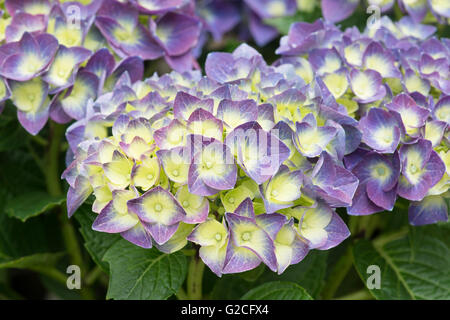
{"points": [[181, 294], [52, 159], [52, 178], [337, 275], [362, 294], [195, 277]]}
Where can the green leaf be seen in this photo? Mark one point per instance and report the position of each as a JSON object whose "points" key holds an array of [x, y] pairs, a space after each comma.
{"points": [[96, 243], [19, 239], [31, 204], [12, 135], [141, 274], [277, 290], [413, 266]]}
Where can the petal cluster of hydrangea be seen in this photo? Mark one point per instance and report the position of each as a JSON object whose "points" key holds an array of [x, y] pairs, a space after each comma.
{"points": [[45, 66], [149, 29], [227, 161], [251, 161], [45, 79], [396, 81], [338, 10]]}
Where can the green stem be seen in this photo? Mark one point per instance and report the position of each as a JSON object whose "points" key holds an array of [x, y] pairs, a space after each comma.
{"points": [[39, 140], [380, 241], [195, 277], [93, 275], [362, 294], [181, 295], [52, 160], [52, 178], [337, 275]]}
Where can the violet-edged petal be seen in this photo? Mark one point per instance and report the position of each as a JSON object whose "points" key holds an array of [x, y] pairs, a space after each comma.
{"points": [[272, 8], [261, 33], [65, 63], [430, 210], [33, 7], [246, 233], [146, 174], [282, 189], [75, 99], [223, 67], [178, 241], [338, 10], [138, 236], [331, 182], [184, 104], [367, 85], [235, 113], [380, 130], [214, 167], [271, 223], [157, 206], [440, 7], [361, 204], [413, 82], [212, 236], [310, 140], [118, 170], [412, 115], [290, 248], [379, 59], [157, 6], [176, 33], [239, 259], [196, 207], [434, 131], [119, 25], [325, 60], [422, 168], [441, 110], [30, 98], [22, 23], [161, 233], [322, 227], [78, 194], [260, 154], [202, 122], [379, 174], [115, 218], [36, 53], [219, 16], [176, 163], [101, 63]]}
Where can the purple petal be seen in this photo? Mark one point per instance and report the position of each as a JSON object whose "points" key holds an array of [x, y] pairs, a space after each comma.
{"points": [[138, 235], [338, 10], [430, 210], [176, 33]]}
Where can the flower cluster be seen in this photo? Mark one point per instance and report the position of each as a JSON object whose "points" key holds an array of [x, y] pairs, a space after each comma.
{"points": [[338, 10], [46, 79], [218, 161], [396, 80], [45, 66], [251, 161]]}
